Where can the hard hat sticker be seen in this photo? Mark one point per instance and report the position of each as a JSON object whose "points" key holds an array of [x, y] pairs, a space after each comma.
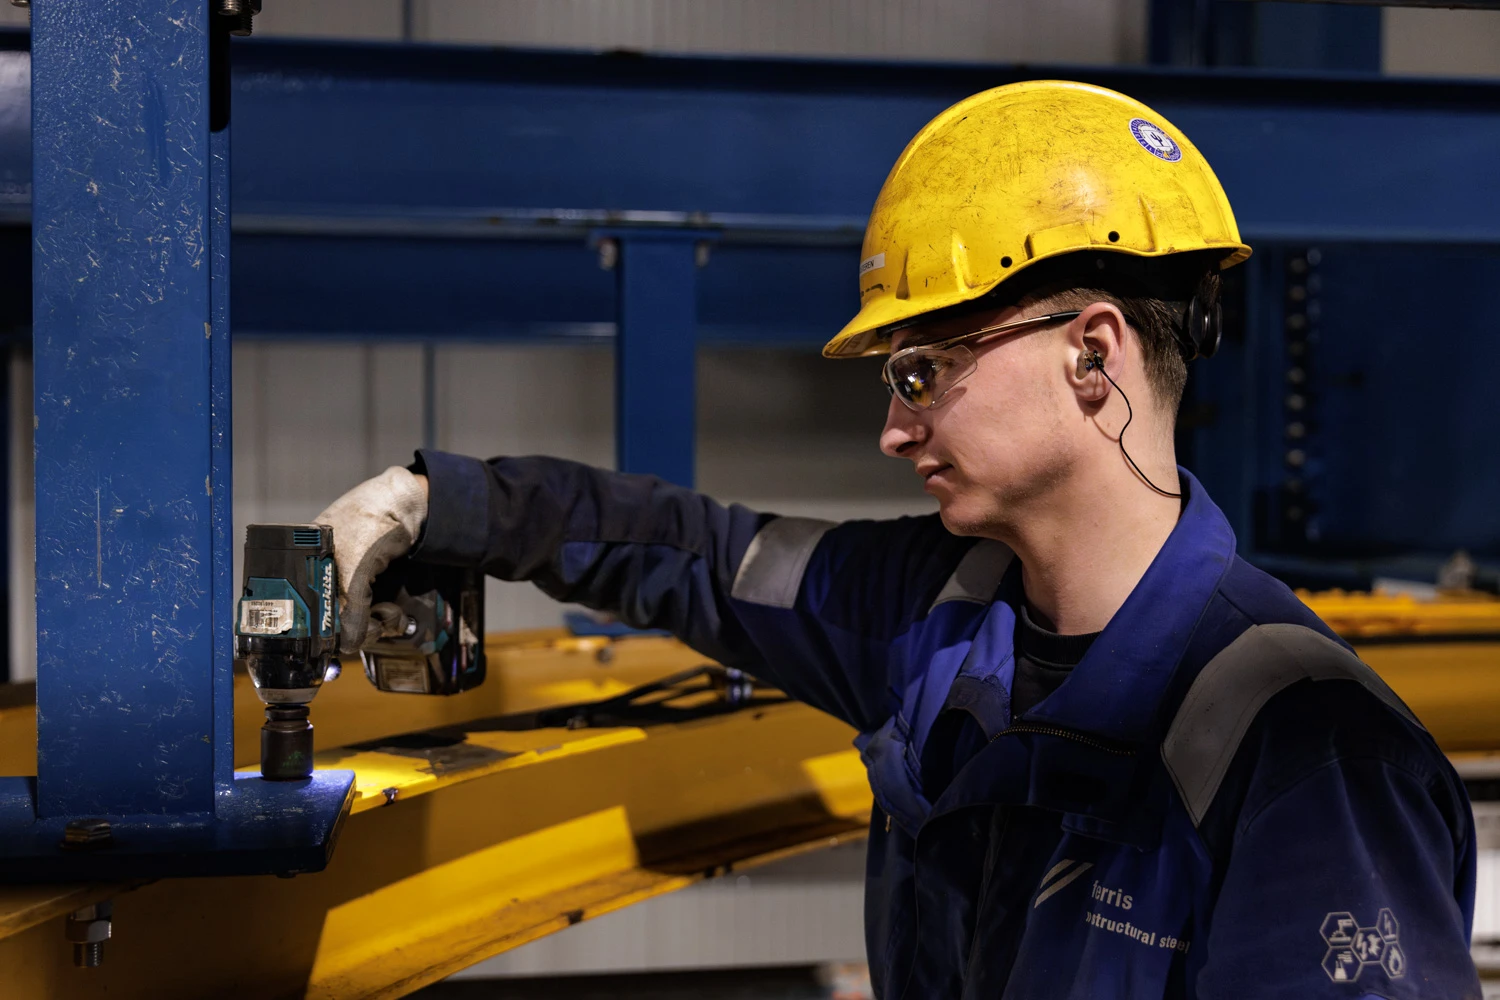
{"points": [[869, 264], [1154, 140]]}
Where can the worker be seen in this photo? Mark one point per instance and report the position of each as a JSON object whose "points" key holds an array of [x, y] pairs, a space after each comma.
{"points": [[1109, 758]]}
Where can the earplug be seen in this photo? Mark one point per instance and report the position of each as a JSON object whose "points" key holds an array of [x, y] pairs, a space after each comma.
{"points": [[1088, 361]]}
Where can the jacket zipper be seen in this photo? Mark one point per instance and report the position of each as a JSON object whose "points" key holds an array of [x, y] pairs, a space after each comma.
{"points": [[1031, 727]]}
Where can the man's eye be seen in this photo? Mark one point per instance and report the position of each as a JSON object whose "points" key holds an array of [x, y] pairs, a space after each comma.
{"points": [[923, 371]]}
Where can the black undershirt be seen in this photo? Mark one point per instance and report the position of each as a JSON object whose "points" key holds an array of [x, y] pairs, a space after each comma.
{"points": [[1044, 659]]}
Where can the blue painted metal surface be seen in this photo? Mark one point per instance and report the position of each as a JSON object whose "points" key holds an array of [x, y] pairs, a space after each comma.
{"points": [[1400, 405], [424, 193], [506, 161], [1295, 36], [258, 827], [125, 554], [656, 351], [134, 557], [420, 192], [221, 416]]}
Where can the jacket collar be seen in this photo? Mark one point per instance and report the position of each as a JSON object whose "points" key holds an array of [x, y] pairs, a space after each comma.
{"points": [[1117, 689]]}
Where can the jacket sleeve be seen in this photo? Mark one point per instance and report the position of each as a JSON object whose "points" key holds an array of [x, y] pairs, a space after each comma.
{"points": [[1349, 883], [811, 607]]}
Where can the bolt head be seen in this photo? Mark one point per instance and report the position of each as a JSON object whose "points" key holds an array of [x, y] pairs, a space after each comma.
{"points": [[609, 254]]}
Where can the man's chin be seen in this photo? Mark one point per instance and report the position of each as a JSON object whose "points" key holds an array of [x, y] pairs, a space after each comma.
{"points": [[961, 518]]}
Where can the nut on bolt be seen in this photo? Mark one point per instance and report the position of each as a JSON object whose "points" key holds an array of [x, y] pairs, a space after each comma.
{"points": [[241, 14], [87, 834], [88, 928]]}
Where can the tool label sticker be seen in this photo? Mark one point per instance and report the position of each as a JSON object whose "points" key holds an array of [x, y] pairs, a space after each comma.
{"points": [[1154, 140], [873, 263], [401, 675], [265, 617], [329, 596]]}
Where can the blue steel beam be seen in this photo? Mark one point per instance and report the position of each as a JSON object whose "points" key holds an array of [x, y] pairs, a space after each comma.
{"points": [[1295, 36], [411, 176], [656, 351], [134, 559], [387, 190]]}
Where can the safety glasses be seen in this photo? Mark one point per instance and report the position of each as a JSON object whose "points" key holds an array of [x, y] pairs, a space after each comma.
{"points": [[921, 376]]}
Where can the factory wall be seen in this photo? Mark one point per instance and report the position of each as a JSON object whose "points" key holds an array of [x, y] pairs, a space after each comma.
{"points": [[1416, 41], [1086, 31], [778, 430]]}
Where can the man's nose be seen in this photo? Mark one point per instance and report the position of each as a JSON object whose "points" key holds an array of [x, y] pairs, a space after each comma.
{"points": [[904, 430]]}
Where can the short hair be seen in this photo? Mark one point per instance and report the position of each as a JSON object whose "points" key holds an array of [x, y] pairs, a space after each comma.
{"points": [[1152, 292], [1156, 323]]}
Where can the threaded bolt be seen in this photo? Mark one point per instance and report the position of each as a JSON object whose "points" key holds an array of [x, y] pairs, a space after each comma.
{"points": [[241, 14], [88, 928]]}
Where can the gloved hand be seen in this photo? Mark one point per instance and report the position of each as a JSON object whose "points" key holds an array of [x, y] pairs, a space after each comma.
{"points": [[375, 522]]}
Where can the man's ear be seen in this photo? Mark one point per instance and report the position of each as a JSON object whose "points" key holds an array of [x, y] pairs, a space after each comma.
{"points": [[1095, 339]]}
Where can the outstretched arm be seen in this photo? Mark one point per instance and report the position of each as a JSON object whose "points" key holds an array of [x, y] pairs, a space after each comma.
{"points": [[809, 606]]}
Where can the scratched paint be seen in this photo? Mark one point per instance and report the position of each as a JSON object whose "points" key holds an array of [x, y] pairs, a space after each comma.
{"points": [[125, 553]]}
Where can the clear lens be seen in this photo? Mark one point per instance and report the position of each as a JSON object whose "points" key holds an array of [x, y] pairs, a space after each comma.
{"points": [[922, 376]]}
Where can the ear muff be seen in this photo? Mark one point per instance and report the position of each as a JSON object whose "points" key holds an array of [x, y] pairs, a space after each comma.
{"points": [[1203, 323]]}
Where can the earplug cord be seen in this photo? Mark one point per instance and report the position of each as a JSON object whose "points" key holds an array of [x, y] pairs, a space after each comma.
{"points": [[1098, 362]]}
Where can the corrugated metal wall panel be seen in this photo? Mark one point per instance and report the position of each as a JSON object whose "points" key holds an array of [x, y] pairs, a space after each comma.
{"points": [[778, 431], [1425, 42], [1084, 31], [373, 20], [804, 911]]}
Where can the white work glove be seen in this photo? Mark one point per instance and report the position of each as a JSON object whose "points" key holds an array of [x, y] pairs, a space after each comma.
{"points": [[375, 522]]}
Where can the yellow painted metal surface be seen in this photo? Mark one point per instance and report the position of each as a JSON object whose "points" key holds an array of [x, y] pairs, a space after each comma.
{"points": [[485, 836], [1357, 616], [495, 841], [1441, 656], [527, 671]]}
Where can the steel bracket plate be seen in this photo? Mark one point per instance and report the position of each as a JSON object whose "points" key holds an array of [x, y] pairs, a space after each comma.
{"points": [[258, 827]]}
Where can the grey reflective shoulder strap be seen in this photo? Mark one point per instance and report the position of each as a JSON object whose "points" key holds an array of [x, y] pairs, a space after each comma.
{"points": [[771, 572], [978, 574], [1231, 690]]}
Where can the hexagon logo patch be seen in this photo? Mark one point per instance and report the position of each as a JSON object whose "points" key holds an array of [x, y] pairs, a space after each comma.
{"points": [[1352, 948]]}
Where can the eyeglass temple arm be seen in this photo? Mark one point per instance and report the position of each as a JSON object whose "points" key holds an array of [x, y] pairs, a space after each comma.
{"points": [[1015, 324]]}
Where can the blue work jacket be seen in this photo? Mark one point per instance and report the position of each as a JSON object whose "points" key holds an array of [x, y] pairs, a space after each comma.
{"points": [[1219, 801]]}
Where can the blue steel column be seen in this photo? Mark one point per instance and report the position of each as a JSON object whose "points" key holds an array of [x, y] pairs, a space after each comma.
{"points": [[221, 412], [125, 554], [655, 353]]}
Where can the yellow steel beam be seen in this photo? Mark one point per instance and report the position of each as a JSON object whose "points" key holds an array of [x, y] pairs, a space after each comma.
{"points": [[1357, 616], [481, 838], [527, 670], [1441, 656], [482, 845]]}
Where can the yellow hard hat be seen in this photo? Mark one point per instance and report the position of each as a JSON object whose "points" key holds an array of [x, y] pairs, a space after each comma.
{"points": [[1021, 174]]}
